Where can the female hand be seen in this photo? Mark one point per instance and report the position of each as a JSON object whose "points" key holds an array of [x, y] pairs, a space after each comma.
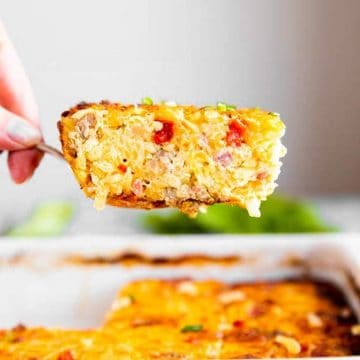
{"points": [[19, 120]]}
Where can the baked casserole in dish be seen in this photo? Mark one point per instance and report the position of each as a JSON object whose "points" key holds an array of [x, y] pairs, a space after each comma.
{"points": [[186, 319]]}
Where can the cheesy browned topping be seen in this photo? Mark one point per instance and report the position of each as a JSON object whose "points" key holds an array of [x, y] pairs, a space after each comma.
{"points": [[173, 156], [185, 319]]}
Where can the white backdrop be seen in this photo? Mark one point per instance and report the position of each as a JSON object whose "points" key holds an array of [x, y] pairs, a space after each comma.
{"points": [[297, 57]]}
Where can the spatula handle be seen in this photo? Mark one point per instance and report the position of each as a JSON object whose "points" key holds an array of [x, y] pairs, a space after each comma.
{"points": [[50, 150]]}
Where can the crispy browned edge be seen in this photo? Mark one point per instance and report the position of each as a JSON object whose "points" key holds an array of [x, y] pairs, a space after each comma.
{"points": [[126, 201], [136, 258]]}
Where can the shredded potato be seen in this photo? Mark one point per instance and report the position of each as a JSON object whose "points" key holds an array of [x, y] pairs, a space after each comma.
{"points": [[173, 156]]}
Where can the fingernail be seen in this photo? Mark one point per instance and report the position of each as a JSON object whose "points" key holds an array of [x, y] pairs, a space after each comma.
{"points": [[21, 132]]}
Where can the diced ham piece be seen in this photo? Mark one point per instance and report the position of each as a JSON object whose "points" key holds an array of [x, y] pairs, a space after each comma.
{"points": [[137, 187], [161, 162], [200, 192], [224, 158], [85, 123], [262, 175]]}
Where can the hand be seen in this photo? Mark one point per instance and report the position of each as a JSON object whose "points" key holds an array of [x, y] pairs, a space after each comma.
{"points": [[19, 120]]}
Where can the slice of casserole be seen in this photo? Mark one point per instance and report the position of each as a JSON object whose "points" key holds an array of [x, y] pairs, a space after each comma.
{"points": [[152, 156]]}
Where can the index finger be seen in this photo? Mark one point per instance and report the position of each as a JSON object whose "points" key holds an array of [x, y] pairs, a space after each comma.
{"points": [[16, 133], [15, 91]]}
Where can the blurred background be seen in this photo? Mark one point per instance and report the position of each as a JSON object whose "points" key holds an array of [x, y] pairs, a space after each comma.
{"points": [[300, 58]]}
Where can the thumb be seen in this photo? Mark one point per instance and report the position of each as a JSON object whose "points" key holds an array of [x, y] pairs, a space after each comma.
{"points": [[16, 133]]}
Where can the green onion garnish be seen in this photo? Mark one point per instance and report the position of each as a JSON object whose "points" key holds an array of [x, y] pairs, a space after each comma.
{"points": [[132, 298], [147, 101], [192, 328], [225, 107], [221, 106], [273, 113]]}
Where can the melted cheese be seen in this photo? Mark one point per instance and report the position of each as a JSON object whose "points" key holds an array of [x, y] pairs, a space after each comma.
{"points": [[184, 319]]}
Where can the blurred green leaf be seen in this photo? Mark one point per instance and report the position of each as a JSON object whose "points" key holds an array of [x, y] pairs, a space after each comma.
{"points": [[48, 219], [279, 215], [172, 223]]}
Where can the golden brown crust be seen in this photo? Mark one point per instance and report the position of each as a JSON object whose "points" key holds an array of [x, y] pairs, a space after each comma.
{"points": [[108, 104], [126, 201], [137, 259]]}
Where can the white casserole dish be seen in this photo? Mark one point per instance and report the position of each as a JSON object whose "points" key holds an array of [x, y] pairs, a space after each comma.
{"points": [[39, 288]]}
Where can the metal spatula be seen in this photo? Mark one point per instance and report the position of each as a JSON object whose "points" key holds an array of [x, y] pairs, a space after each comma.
{"points": [[47, 149]]}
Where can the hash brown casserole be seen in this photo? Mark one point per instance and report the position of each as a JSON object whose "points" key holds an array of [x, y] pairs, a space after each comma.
{"points": [[167, 155], [193, 320]]}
